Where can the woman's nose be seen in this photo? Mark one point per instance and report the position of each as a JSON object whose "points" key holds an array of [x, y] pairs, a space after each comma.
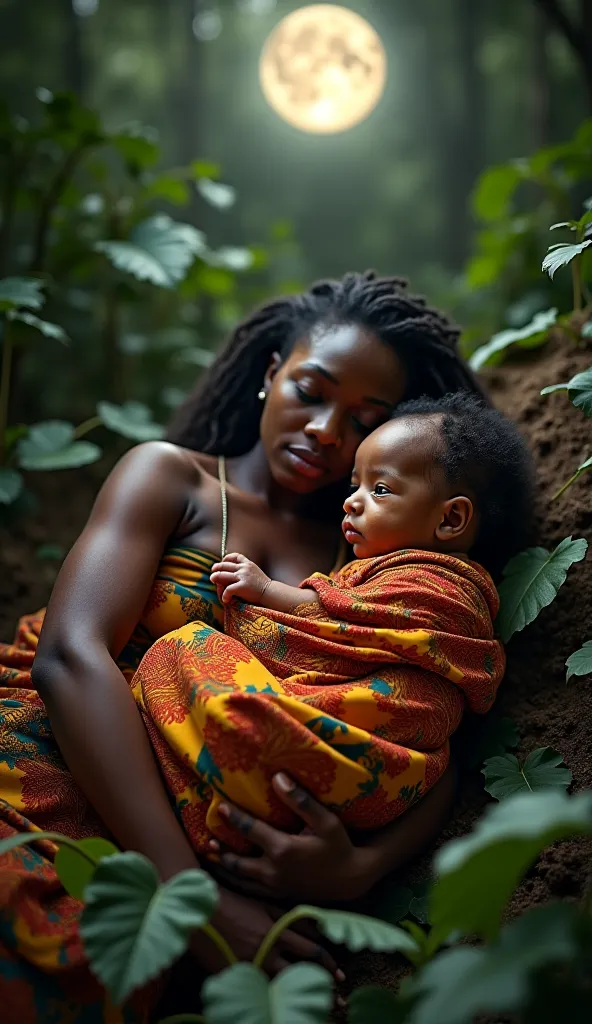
{"points": [[325, 427], [354, 503]]}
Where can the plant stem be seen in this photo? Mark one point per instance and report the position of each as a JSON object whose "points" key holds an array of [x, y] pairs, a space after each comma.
{"points": [[87, 426], [576, 275], [7, 349], [274, 934], [571, 481], [220, 942]]}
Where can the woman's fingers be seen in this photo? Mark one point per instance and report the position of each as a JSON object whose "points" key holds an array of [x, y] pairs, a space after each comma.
{"points": [[267, 838], [320, 820], [257, 869]]}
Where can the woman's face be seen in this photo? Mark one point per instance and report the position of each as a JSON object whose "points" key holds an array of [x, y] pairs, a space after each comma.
{"points": [[338, 384]]}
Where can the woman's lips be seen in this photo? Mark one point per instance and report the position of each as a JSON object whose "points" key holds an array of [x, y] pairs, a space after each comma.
{"points": [[350, 533], [306, 463]]}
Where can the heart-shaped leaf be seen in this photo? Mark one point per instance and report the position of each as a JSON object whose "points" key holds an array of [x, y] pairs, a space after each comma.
{"points": [[531, 582], [373, 1005], [133, 927], [74, 870], [302, 994], [216, 194], [536, 329], [478, 873], [11, 485], [21, 291], [356, 931], [159, 250], [489, 737], [579, 389], [580, 662], [48, 329], [133, 420], [505, 776], [463, 984], [561, 254]]}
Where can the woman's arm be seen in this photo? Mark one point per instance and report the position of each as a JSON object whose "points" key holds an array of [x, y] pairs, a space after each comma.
{"points": [[97, 600], [322, 863]]}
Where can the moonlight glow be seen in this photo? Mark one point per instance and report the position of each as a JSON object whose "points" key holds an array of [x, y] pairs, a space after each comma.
{"points": [[323, 68]]}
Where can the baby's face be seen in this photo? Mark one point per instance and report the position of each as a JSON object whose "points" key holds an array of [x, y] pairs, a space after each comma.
{"points": [[398, 492]]}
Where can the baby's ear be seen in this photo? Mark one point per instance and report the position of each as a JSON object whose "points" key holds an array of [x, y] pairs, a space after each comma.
{"points": [[457, 515]]}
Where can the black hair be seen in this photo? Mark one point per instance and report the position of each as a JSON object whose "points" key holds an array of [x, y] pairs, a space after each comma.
{"points": [[484, 453], [222, 415]]}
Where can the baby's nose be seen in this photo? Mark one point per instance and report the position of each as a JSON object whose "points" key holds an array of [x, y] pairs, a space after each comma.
{"points": [[354, 503]]}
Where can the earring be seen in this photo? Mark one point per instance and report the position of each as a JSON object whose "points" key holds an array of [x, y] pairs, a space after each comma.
{"points": [[262, 395]]}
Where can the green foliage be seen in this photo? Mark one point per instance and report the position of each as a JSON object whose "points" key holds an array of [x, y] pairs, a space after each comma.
{"points": [[302, 994], [359, 932], [11, 485], [16, 292], [159, 250], [561, 254], [132, 420], [505, 776], [50, 330], [133, 927], [582, 468], [75, 871], [580, 662], [531, 582], [535, 333], [216, 194], [579, 390], [373, 1005], [52, 445], [477, 874]]}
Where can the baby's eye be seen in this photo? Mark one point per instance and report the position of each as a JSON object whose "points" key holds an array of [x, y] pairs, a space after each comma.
{"points": [[381, 489]]}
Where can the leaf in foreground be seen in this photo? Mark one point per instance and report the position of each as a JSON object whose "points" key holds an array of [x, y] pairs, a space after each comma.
{"points": [[133, 927], [531, 582], [74, 870], [580, 662], [21, 291], [462, 983], [302, 994], [356, 931], [160, 250], [478, 873], [132, 420], [11, 485], [561, 254], [542, 769], [579, 389], [538, 326]]}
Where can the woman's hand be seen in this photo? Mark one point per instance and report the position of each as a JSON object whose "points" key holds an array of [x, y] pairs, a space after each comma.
{"points": [[237, 576], [320, 864], [244, 923]]}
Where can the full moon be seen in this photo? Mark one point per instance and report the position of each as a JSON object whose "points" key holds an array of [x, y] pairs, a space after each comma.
{"points": [[323, 68]]}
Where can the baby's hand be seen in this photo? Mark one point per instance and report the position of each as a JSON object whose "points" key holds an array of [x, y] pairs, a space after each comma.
{"points": [[236, 576]]}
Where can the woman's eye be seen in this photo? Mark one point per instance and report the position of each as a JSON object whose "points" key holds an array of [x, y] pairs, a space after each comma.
{"points": [[305, 396], [381, 489]]}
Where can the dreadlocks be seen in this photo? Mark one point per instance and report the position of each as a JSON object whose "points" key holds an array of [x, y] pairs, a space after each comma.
{"points": [[222, 414]]}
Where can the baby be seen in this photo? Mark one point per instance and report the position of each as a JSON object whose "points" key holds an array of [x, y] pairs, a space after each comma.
{"points": [[352, 683]]}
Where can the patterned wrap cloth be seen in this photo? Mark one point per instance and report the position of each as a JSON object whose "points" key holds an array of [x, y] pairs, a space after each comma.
{"points": [[356, 699], [357, 702]]}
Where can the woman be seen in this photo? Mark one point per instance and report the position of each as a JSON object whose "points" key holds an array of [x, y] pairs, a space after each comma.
{"points": [[287, 402]]}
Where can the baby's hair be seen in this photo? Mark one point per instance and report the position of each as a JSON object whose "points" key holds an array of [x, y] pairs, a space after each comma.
{"points": [[222, 415], [484, 453]]}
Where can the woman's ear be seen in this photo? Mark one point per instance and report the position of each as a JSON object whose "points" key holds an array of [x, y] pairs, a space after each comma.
{"points": [[457, 515], [272, 369]]}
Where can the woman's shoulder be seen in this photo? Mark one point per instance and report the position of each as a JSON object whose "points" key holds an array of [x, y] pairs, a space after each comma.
{"points": [[168, 458]]}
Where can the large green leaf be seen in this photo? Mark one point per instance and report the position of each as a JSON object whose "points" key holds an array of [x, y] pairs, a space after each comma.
{"points": [[478, 873], [580, 662], [132, 419], [373, 1005], [242, 994], [535, 330], [579, 389], [561, 254], [356, 931], [44, 326], [11, 485], [505, 776], [50, 445], [21, 291], [531, 582], [133, 927], [461, 984], [494, 191], [74, 870], [159, 250]]}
